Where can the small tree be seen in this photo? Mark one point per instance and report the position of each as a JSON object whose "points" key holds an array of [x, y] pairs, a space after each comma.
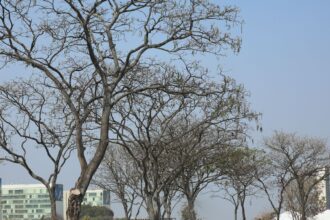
{"points": [[174, 139], [118, 175], [300, 162], [315, 203], [31, 122], [241, 168]]}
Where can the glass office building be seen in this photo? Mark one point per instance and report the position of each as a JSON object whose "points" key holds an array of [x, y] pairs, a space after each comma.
{"points": [[27, 202]]}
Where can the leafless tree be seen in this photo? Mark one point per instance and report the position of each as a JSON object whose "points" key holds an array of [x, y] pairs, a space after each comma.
{"points": [[31, 122], [274, 182], [315, 203], [171, 136], [94, 52], [241, 169], [117, 174], [142, 132], [301, 162], [204, 147]]}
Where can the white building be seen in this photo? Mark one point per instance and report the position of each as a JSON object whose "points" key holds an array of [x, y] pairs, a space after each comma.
{"points": [[29, 202]]}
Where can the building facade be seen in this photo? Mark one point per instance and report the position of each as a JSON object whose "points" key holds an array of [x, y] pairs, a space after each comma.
{"points": [[28, 202]]}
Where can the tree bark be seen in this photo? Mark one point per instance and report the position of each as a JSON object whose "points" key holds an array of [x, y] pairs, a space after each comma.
{"points": [[153, 208], [242, 202], [243, 211], [236, 211], [167, 209], [74, 205], [53, 207], [191, 208]]}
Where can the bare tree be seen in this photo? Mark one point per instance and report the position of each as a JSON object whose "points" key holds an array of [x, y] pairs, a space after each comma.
{"points": [[274, 182], [143, 135], [117, 174], [315, 203], [93, 52], [302, 160], [31, 121], [241, 168], [172, 137], [204, 147]]}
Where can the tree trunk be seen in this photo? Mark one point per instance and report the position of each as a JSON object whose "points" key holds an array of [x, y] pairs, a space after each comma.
{"points": [[243, 211], [53, 207], [236, 211], [74, 205], [153, 208], [52, 199], [303, 212], [125, 207], [191, 209], [168, 209], [302, 203], [242, 202]]}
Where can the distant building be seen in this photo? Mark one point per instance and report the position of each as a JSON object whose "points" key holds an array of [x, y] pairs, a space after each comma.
{"points": [[28, 202], [97, 197]]}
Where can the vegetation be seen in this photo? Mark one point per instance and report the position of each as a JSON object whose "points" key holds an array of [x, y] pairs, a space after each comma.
{"points": [[296, 171], [119, 85], [79, 53], [95, 213]]}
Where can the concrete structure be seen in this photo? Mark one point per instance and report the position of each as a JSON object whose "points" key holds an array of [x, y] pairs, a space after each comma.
{"points": [[28, 202], [97, 197]]}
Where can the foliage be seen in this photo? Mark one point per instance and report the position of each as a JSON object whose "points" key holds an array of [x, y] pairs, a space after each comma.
{"points": [[89, 212]]}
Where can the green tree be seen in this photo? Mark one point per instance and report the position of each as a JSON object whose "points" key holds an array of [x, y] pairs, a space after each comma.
{"points": [[95, 213]]}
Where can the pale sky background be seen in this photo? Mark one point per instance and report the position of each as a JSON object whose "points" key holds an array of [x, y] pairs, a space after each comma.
{"points": [[284, 63]]}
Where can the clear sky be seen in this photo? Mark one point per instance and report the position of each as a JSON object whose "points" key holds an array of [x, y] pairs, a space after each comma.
{"points": [[284, 63]]}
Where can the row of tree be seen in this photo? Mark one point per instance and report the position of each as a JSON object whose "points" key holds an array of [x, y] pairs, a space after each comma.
{"points": [[123, 79], [87, 63], [167, 144], [290, 172]]}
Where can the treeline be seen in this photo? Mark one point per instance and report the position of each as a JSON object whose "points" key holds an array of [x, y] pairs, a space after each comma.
{"points": [[288, 170]]}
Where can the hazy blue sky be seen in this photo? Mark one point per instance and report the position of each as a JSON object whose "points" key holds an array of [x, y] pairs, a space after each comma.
{"points": [[284, 63]]}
